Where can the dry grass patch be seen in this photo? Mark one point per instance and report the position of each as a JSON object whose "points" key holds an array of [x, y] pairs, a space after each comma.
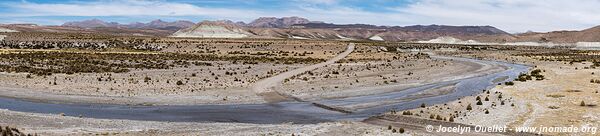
{"points": [[555, 95], [573, 91]]}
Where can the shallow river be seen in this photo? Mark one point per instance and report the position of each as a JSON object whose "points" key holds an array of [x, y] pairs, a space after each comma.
{"points": [[297, 112]]}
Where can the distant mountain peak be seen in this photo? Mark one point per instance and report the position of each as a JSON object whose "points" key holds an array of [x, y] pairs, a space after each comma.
{"points": [[155, 24], [157, 21], [92, 23]]}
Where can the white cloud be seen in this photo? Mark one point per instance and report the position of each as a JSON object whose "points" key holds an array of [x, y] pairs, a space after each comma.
{"points": [[327, 2], [126, 8], [510, 15]]}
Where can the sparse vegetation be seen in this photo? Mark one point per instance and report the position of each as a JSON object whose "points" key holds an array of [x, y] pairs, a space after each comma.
{"points": [[595, 81], [479, 102], [225, 65], [555, 95], [46, 63], [10, 131]]}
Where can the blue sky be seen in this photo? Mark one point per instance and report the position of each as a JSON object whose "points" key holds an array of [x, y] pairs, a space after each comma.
{"points": [[508, 15]]}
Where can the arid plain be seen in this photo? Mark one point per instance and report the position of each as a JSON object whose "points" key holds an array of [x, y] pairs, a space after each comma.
{"points": [[360, 87]]}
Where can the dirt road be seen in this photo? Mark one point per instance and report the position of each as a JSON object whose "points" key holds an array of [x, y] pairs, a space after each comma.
{"points": [[264, 85]]}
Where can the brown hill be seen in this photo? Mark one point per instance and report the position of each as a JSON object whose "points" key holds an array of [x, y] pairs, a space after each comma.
{"points": [[214, 29], [273, 22], [587, 35]]}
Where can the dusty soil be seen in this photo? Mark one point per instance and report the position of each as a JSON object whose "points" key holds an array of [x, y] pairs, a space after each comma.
{"points": [[555, 101], [218, 83], [45, 124], [368, 70]]}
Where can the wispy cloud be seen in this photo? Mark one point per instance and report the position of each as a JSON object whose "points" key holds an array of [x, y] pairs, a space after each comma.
{"points": [[124, 8], [328, 2], [510, 15]]}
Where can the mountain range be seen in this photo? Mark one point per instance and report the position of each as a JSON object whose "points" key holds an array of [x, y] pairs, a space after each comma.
{"points": [[156, 24], [300, 28]]}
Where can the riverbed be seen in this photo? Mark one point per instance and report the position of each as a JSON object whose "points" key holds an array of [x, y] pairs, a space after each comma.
{"points": [[281, 112]]}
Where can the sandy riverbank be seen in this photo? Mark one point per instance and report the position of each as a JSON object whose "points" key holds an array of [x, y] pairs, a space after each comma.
{"points": [[554, 101]]}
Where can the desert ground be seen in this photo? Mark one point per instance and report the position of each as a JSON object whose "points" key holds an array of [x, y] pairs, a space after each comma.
{"points": [[560, 89], [565, 95]]}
